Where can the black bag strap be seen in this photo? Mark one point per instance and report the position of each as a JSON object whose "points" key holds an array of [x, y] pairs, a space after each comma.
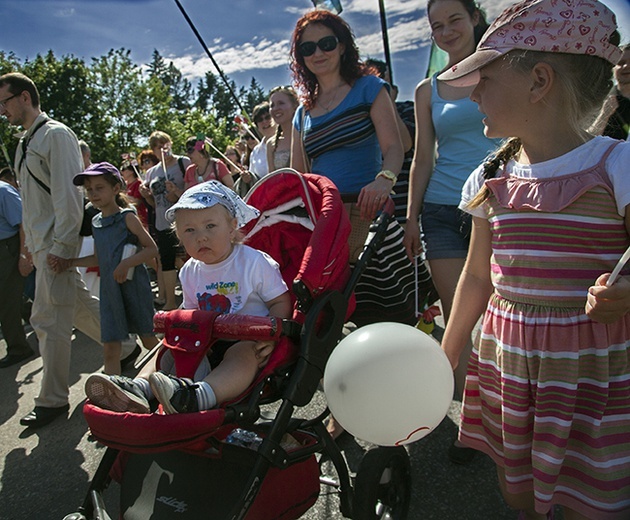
{"points": [[25, 143], [180, 161]]}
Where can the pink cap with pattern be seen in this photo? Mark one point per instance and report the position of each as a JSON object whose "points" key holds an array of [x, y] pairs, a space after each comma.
{"points": [[565, 26]]}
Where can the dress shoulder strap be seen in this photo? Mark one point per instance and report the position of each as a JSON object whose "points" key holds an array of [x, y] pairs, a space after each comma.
{"points": [[607, 153]]}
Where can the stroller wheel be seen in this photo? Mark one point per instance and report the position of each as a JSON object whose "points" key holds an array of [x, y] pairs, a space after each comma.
{"points": [[382, 488], [74, 516]]}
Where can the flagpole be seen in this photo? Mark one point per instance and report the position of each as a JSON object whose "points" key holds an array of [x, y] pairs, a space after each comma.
{"points": [[388, 59], [216, 65]]}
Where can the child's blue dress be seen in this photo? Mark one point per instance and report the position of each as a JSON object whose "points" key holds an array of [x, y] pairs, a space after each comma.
{"points": [[126, 307]]}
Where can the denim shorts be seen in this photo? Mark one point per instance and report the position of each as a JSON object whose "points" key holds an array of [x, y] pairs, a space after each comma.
{"points": [[446, 231]]}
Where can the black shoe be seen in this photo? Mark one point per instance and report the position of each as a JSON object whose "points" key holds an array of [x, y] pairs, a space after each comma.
{"points": [[126, 361], [40, 416], [176, 394], [461, 454], [12, 359]]}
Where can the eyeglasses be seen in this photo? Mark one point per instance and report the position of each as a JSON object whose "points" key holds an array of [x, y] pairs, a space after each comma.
{"points": [[190, 150], [4, 101], [147, 161], [326, 44]]}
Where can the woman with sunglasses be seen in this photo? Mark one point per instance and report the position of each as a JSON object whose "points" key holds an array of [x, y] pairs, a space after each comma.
{"points": [[346, 130], [283, 102], [346, 127], [235, 165], [204, 168], [266, 127]]}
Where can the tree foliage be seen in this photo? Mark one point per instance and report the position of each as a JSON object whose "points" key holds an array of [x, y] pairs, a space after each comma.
{"points": [[114, 104]]}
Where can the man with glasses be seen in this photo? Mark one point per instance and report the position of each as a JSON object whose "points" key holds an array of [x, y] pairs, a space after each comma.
{"points": [[266, 127], [47, 158]]}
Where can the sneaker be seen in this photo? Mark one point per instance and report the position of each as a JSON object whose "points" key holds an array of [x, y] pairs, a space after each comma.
{"points": [[116, 393], [177, 395]]}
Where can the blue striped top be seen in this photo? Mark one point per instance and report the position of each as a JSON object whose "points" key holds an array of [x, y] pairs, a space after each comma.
{"points": [[342, 144]]}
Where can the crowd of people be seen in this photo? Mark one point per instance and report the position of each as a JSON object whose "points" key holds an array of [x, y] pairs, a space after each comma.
{"points": [[515, 189]]}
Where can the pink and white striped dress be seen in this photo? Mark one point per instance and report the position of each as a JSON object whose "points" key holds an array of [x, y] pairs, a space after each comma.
{"points": [[548, 390]]}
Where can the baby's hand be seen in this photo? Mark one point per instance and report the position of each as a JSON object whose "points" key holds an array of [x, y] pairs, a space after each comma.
{"points": [[120, 273], [263, 350], [608, 304]]}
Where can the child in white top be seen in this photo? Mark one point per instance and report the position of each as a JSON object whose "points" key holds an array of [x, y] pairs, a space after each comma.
{"points": [[222, 275], [548, 383]]}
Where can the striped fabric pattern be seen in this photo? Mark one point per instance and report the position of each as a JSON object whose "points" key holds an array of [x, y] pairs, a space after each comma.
{"points": [[351, 126], [385, 291], [548, 390]]}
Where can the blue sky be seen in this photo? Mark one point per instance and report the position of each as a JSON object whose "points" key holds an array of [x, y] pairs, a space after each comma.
{"points": [[247, 37]]}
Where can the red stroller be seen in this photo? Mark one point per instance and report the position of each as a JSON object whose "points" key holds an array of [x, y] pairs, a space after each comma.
{"points": [[228, 462]]}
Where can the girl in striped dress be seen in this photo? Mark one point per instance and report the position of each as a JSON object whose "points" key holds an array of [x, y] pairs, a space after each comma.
{"points": [[548, 386]]}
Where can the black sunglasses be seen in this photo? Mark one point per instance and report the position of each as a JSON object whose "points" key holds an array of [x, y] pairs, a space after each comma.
{"points": [[326, 44]]}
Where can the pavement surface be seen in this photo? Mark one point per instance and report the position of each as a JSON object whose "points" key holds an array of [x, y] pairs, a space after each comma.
{"points": [[44, 473]]}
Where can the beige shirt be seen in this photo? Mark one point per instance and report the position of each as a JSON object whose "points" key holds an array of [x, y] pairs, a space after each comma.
{"points": [[51, 221]]}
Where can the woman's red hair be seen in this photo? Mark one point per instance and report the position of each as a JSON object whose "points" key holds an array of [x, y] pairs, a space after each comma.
{"points": [[351, 67]]}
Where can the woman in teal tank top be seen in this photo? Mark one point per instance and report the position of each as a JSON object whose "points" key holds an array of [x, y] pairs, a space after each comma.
{"points": [[450, 144]]}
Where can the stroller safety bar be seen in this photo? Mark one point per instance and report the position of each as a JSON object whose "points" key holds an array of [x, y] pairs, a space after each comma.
{"points": [[222, 326]]}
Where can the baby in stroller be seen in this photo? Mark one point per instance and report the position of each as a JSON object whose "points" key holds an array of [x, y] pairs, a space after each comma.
{"points": [[222, 275]]}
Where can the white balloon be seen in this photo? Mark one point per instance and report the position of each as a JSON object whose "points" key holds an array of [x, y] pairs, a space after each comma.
{"points": [[388, 383]]}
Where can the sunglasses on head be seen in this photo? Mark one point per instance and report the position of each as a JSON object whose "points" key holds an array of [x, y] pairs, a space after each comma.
{"points": [[326, 44], [281, 87]]}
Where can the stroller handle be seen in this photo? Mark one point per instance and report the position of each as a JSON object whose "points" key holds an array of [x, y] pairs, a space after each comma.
{"points": [[213, 325]]}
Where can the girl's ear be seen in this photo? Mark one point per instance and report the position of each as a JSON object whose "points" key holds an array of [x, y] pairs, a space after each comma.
{"points": [[543, 78]]}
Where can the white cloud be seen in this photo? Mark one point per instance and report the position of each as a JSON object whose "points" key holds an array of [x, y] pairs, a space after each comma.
{"points": [[404, 36], [64, 13], [257, 54], [392, 7]]}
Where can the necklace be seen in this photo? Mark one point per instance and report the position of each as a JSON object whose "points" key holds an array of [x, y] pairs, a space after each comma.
{"points": [[200, 176], [327, 107]]}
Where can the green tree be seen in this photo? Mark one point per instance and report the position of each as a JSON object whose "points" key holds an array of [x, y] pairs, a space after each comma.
{"points": [[122, 96], [179, 88], [115, 107], [8, 63], [255, 95], [66, 91], [206, 89]]}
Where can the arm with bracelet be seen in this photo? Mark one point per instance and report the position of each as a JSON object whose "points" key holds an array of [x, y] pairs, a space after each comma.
{"points": [[383, 116]]}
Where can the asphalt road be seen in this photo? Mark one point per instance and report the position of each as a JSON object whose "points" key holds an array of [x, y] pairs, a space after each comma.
{"points": [[44, 473]]}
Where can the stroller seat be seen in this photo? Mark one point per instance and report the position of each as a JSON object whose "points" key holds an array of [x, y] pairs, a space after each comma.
{"points": [[304, 228]]}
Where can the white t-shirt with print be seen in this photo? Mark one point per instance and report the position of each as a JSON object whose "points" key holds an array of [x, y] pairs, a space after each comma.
{"points": [[241, 284]]}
